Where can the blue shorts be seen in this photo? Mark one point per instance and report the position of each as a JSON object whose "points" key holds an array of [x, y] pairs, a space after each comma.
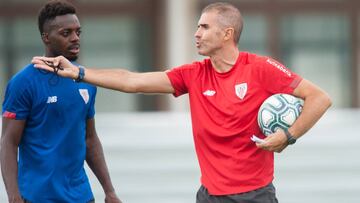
{"points": [[262, 195]]}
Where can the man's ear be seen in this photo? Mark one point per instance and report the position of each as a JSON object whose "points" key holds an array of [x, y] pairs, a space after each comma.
{"points": [[45, 37], [229, 33]]}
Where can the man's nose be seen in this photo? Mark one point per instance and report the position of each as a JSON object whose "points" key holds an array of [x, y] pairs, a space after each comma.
{"points": [[75, 37], [197, 34]]}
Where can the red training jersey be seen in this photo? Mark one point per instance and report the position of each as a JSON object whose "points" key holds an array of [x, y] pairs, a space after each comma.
{"points": [[224, 109]]}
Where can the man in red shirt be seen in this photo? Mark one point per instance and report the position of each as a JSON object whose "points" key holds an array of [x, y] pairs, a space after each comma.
{"points": [[225, 93]]}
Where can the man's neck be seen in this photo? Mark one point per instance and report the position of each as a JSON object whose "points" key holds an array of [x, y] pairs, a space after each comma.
{"points": [[51, 54], [225, 59]]}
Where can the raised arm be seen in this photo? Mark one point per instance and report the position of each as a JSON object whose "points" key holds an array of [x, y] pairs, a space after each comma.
{"points": [[116, 79]]}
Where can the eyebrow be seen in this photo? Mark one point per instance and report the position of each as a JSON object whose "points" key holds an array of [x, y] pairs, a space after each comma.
{"points": [[68, 28], [203, 25]]}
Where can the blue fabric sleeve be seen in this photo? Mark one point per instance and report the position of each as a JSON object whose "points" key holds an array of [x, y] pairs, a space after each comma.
{"points": [[91, 111], [17, 98]]}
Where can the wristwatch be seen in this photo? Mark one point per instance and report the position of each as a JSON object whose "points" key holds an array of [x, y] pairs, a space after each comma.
{"points": [[290, 139], [81, 74]]}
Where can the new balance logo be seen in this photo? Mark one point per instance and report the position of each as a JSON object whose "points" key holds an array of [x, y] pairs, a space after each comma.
{"points": [[52, 99], [209, 93]]}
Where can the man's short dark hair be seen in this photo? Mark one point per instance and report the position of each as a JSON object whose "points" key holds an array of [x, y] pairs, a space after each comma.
{"points": [[228, 16], [52, 9]]}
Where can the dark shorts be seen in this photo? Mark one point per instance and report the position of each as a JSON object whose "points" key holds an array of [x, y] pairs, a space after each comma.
{"points": [[262, 195]]}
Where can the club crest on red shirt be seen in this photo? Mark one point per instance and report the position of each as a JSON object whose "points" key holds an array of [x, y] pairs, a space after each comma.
{"points": [[240, 90]]}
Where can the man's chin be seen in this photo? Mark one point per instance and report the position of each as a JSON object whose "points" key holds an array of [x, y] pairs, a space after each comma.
{"points": [[202, 53], [72, 57]]}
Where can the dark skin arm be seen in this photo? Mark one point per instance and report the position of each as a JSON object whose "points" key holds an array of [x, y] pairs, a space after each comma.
{"points": [[96, 161], [10, 138]]}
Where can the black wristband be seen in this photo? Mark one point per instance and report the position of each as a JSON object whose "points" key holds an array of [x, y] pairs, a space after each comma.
{"points": [[81, 74], [290, 139]]}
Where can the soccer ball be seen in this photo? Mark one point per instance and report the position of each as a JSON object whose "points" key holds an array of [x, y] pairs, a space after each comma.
{"points": [[279, 111]]}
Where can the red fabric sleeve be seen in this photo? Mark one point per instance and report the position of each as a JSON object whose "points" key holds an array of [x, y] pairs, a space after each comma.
{"points": [[276, 78], [181, 77]]}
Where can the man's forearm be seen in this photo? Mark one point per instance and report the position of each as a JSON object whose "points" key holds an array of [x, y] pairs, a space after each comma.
{"points": [[96, 161], [116, 79], [9, 169], [314, 107]]}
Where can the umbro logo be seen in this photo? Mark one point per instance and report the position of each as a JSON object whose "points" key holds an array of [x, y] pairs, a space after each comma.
{"points": [[52, 99], [209, 93]]}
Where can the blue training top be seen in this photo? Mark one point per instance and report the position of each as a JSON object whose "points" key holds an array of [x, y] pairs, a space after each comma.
{"points": [[53, 147]]}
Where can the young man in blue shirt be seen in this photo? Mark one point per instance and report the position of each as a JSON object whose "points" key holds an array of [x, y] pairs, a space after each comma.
{"points": [[50, 122]]}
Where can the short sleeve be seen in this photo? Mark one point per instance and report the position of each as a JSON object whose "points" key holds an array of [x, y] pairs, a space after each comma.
{"points": [[181, 77], [91, 111], [276, 78], [17, 100]]}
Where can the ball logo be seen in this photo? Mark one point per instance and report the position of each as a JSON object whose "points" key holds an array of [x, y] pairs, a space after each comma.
{"points": [[240, 90]]}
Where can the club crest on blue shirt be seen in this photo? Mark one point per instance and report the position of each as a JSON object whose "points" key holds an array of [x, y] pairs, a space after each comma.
{"points": [[240, 90], [85, 95]]}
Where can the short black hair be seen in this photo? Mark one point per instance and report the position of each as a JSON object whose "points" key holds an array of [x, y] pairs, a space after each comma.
{"points": [[52, 9]]}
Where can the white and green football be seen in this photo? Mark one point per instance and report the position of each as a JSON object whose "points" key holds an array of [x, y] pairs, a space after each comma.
{"points": [[279, 111]]}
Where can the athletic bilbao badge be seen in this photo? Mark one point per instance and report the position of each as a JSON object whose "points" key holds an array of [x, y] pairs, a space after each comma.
{"points": [[85, 95], [240, 90]]}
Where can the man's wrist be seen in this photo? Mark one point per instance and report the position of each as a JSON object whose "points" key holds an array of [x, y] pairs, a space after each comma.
{"points": [[111, 194], [80, 74], [15, 198], [290, 139], [109, 191]]}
